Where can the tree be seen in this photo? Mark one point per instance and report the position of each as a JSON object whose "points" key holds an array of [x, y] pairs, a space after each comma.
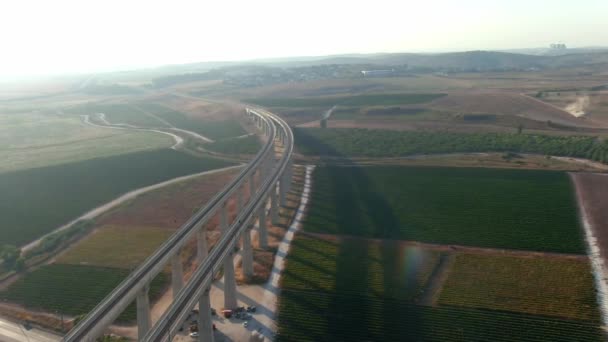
{"points": [[520, 128]]}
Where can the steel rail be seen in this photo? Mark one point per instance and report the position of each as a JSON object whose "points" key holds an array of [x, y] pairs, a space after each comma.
{"points": [[95, 323]]}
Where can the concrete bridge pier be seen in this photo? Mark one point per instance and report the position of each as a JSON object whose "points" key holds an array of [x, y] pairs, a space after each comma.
{"points": [[239, 199], [247, 255], [251, 185], [201, 245], [223, 218], [144, 321], [229, 284], [262, 230], [205, 323], [177, 274], [274, 205]]}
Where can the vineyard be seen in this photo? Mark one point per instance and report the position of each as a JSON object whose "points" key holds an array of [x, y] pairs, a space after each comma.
{"points": [[498, 208], [116, 246], [358, 267], [321, 316], [37, 201], [534, 285], [73, 289]]}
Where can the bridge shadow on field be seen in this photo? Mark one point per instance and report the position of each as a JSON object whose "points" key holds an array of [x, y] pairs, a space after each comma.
{"points": [[359, 210]]}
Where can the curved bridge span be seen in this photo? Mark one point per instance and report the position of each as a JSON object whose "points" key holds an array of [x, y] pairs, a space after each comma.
{"points": [[264, 174]]}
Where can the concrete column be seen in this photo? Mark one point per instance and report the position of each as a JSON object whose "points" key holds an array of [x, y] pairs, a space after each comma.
{"points": [[144, 321], [274, 205], [205, 323], [229, 284], [201, 245], [262, 231], [289, 172], [224, 217], [247, 255], [177, 274]]}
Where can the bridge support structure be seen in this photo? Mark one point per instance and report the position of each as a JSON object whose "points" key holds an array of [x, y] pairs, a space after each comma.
{"points": [[144, 321], [177, 274], [205, 323]]}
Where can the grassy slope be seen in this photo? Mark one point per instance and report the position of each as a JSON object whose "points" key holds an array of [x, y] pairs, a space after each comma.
{"points": [[119, 114], [210, 129], [515, 209], [36, 201], [542, 286], [73, 289], [36, 140], [247, 145], [116, 246]]}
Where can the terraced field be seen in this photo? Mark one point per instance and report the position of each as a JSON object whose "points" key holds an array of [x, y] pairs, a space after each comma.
{"points": [[37, 201], [555, 287], [45, 288], [497, 208]]}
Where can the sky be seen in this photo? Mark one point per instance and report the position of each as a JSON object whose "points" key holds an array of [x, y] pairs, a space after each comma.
{"points": [[67, 36]]}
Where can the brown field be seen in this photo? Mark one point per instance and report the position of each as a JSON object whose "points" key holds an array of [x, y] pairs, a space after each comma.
{"points": [[505, 104]]}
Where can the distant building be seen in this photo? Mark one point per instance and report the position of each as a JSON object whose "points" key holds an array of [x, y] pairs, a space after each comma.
{"points": [[558, 46], [377, 73]]}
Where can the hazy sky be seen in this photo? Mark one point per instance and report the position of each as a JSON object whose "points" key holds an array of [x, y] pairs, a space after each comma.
{"points": [[50, 36]]}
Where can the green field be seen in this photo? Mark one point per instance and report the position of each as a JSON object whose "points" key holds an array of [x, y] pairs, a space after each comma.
{"points": [[320, 316], [210, 129], [535, 285], [116, 246], [119, 113], [354, 100], [358, 290], [498, 208], [341, 142], [358, 267], [246, 145], [73, 289], [37, 140], [37, 201]]}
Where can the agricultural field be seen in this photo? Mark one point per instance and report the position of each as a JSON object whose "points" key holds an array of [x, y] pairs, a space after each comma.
{"points": [[116, 246], [37, 201], [337, 289], [523, 209], [546, 286], [354, 100], [45, 288], [37, 140], [211, 129], [119, 113], [320, 316], [358, 267], [340, 142], [246, 145]]}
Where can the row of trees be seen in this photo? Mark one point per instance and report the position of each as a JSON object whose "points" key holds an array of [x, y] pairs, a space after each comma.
{"points": [[383, 143]]}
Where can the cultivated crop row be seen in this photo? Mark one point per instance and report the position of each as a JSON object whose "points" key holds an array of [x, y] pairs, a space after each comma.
{"points": [[320, 316], [513, 209], [358, 267], [546, 286], [73, 289]]}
